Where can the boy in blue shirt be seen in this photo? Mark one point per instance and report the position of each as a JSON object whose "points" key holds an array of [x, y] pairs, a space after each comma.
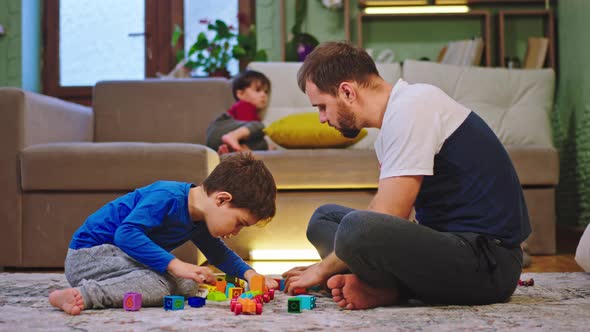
{"points": [[125, 245]]}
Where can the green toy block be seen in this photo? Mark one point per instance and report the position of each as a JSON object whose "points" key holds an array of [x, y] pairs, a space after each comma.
{"points": [[294, 305], [216, 296]]}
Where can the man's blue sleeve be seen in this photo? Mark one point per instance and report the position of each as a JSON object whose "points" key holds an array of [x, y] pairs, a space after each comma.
{"points": [[131, 234]]}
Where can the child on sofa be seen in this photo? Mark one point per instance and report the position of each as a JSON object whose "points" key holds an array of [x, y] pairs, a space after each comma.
{"points": [[240, 128], [125, 245]]}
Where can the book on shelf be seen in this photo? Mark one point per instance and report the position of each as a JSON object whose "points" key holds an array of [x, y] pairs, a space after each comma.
{"points": [[536, 52], [466, 52]]}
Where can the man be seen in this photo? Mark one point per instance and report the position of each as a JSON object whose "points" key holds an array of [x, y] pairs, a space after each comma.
{"points": [[435, 155]]}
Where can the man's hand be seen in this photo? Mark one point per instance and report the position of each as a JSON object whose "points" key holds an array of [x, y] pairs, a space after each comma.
{"points": [[199, 274], [304, 277]]}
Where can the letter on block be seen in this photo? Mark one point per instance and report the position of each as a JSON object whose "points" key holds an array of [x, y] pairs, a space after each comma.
{"points": [[132, 301]]}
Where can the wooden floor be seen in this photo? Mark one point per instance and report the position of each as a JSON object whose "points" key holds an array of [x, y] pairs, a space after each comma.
{"points": [[563, 261]]}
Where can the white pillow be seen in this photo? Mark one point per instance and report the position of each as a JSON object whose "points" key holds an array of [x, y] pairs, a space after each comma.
{"points": [[583, 250]]}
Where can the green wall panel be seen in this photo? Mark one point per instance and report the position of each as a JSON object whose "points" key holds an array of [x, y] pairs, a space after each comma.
{"points": [[572, 119], [10, 43]]}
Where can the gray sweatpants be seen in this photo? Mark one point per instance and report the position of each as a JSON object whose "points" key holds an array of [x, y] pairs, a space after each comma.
{"points": [[435, 267], [103, 274], [224, 123]]}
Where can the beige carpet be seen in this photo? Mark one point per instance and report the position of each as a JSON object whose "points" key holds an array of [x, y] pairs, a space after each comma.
{"points": [[557, 302]]}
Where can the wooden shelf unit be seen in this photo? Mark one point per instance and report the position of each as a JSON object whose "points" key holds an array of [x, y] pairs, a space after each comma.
{"points": [[549, 27], [484, 16]]}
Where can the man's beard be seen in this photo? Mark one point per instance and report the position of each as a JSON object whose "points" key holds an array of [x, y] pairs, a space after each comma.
{"points": [[346, 120]]}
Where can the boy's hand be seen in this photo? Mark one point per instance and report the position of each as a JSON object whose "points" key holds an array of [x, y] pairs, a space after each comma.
{"points": [[199, 274]]}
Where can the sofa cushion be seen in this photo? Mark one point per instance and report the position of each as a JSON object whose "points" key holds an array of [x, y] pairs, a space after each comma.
{"points": [[112, 166], [322, 168], [304, 130], [514, 103], [158, 111], [535, 165]]}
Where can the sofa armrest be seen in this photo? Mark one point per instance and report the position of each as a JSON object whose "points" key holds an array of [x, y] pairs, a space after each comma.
{"points": [[27, 119]]}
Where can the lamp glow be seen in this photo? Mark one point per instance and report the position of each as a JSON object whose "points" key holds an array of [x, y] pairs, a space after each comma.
{"points": [[283, 255], [273, 268], [416, 10]]}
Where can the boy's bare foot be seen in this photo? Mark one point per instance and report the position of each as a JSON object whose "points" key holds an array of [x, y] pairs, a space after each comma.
{"points": [[69, 300], [231, 142], [349, 292], [223, 149]]}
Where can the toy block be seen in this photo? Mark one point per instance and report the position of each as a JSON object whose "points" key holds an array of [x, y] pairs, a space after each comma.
{"points": [[220, 278], [221, 285], [294, 305], [196, 302], [216, 296], [236, 281], [307, 301], [229, 285], [235, 292], [132, 301], [299, 291], [173, 302], [257, 283], [246, 306], [282, 285]]}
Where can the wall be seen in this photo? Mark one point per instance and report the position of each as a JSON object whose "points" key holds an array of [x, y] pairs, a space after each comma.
{"points": [[572, 116], [20, 47], [10, 43]]}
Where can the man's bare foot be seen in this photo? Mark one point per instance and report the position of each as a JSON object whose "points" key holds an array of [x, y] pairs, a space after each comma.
{"points": [[69, 300], [231, 142], [223, 149], [349, 292]]}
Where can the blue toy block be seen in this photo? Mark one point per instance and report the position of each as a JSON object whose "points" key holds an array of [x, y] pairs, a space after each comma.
{"points": [[173, 302], [196, 302], [282, 285], [307, 301]]}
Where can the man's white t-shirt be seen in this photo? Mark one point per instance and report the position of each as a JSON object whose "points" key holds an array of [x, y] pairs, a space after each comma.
{"points": [[417, 121], [469, 183]]}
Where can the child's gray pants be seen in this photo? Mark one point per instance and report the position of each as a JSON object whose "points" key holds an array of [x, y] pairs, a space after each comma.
{"points": [[433, 266], [104, 273]]}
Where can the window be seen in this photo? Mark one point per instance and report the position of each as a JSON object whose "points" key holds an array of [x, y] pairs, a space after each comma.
{"points": [[101, 40], [86, 41]]}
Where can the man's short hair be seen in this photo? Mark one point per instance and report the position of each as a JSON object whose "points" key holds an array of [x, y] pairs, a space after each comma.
{"points": [[250, 183], [247, 78], [332, 63]]}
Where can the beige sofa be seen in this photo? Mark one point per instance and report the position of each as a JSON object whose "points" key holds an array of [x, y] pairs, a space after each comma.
{"points": [[61, 161]]}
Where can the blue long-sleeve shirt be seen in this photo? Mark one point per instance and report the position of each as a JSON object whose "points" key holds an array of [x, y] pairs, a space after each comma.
{"points": [[150, 222]]}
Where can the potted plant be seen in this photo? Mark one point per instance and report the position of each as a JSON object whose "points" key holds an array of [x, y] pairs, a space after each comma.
{"points": [[213, 55]]}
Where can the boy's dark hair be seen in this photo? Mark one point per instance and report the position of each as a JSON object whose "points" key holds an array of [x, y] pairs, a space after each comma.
{"points": [[332, 63], [250, 183], [246, 78]]}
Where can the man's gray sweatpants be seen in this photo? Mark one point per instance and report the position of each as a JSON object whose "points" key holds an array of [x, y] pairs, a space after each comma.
{"points": [[435, 267], [104, 273]]}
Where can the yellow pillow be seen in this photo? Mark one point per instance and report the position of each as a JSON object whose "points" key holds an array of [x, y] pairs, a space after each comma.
{"points": [[304, 131]]}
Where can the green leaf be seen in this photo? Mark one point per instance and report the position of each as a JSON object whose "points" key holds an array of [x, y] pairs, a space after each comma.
{"points": [[176, 34], [261, 56], [179, 55]]}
